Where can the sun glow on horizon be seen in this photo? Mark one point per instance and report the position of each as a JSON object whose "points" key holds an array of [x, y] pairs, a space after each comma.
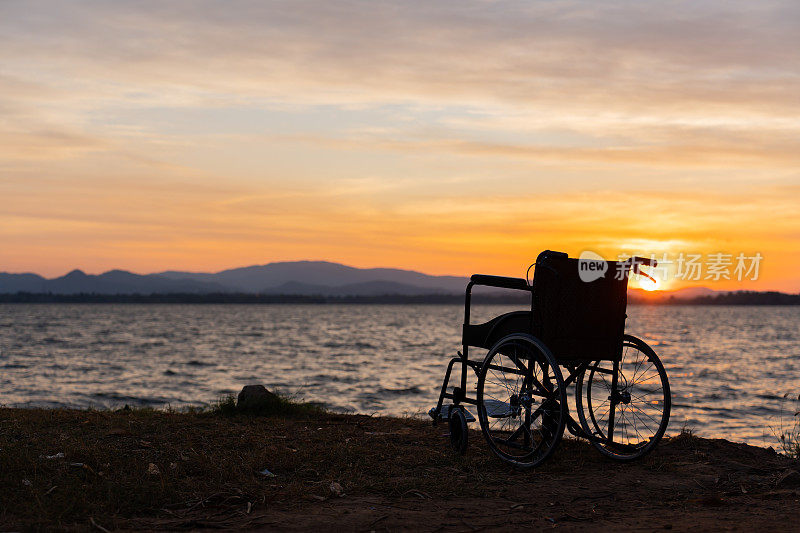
{"points": [[652, 280], [649, 284]]}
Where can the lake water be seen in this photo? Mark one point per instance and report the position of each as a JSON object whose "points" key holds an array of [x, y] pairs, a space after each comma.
{"points": [[729, 367]]}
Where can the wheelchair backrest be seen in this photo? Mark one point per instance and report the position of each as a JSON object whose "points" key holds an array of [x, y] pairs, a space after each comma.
{"points": [[578, 319]]}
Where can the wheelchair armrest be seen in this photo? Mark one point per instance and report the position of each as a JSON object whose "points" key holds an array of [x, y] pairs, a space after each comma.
{"points": [[500, 281]]}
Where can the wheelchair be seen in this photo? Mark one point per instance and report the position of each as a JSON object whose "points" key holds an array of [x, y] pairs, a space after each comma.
{"points": [[621, 390]]}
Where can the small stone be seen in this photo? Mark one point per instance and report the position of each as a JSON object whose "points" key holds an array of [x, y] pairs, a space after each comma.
{"points": [[59, 455], [27, 482], [254, 396], [173, 466], [153, 470]]}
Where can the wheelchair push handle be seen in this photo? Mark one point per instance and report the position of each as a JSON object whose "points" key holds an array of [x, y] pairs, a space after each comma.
{"points": [[634, 263], [500, 281], [637, 262], [643, 261]]}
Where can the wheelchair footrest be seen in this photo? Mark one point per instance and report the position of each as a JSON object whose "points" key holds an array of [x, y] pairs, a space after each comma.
{"points": [[498, 409], [444, 414]]}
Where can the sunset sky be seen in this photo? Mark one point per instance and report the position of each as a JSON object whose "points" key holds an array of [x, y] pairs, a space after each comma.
{"points": [[445, 137]]}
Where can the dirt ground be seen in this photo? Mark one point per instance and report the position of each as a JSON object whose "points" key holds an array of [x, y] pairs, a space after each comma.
{"points": [[149, 470], [687, 483], [704, 485]]}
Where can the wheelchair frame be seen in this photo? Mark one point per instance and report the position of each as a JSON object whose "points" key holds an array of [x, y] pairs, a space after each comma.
{"points": [[575, 369]]}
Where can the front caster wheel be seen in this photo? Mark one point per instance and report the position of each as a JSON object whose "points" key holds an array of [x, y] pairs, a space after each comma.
{"points": [[459, 431]]}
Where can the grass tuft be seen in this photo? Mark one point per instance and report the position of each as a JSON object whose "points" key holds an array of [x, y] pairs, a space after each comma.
{"points": [[225, 406], [789, 434], [274, 405]]}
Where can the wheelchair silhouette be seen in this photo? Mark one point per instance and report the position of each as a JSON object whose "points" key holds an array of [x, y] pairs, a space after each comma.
{"points": [[621, 390]]}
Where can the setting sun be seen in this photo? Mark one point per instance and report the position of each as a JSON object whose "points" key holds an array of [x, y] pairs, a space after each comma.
{"points": [[649, 284]]}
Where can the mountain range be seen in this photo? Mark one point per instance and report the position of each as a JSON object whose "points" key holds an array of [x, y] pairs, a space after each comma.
{"points": [[303, 278], [297, 277]]}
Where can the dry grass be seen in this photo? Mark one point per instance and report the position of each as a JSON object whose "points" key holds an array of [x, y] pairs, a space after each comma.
{"points": [[202, 461], [789, 430], [149, 469], [276, 405], [186, 469]]}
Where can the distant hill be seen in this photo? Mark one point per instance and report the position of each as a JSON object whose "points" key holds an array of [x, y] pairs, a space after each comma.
{"points": [[328, 278], [706, 296], [112, 282], [33, 283], [297, 278], [740, 298], [315, 281], [685, 294], [688, 293]]}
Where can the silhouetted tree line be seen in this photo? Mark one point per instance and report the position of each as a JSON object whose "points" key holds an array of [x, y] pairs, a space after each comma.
{"points": [[733, 298], [244, 298]]}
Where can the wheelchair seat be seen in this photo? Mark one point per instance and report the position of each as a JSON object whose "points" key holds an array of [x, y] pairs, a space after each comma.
{"points": [[487, 334]]}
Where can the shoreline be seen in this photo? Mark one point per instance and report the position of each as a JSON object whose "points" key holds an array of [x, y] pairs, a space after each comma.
{"points": [[741, 298], [309, 469]]}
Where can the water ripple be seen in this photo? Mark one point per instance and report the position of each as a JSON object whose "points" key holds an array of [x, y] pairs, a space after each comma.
{"points": [[729, 366]]}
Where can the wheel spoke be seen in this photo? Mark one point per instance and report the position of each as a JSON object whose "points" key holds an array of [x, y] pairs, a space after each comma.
{"points": [[519, 399], [643, 422], [640, 404]]}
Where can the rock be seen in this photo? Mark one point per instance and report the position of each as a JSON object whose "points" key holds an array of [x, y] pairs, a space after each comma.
{"points": [[153, 470], [254, 396], [789, 479]]}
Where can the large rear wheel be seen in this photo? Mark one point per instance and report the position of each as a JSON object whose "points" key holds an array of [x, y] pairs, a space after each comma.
{"points": [[521, 401], [625, 405]]}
